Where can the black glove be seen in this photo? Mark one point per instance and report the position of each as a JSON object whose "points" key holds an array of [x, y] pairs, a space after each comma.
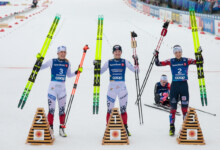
{"points": [[156, 53], [200, 49], [135, 57]]}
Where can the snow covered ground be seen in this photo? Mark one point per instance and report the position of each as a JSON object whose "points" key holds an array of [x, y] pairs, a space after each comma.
{"points": [[78, 27]]}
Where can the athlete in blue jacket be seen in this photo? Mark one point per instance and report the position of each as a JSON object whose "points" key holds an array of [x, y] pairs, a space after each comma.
{"points": [[179, 86], [162, 91], [60, 68], [117, 68]]}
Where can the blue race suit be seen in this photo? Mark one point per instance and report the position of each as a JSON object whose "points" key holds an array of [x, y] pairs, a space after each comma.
{"points": [[57, 90], [117, 87], [179, 86]]}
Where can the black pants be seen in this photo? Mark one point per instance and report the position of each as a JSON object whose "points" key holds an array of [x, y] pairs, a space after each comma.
{"points": [[157, 98], [179, 91]]}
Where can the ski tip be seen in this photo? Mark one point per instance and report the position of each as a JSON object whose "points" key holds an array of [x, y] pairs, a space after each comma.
{"points": [[58, 16], [22, 106], [141, 123], [19, 104], [101, 17]]}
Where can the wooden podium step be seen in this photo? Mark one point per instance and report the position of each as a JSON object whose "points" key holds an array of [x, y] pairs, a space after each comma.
{"points": [[40, 132], [191, 132], [115, 133]]}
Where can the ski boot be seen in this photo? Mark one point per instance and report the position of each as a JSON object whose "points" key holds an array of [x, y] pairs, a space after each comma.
{"points": [[51, 128], [126, 128], [62, 131], [172, 130], [51, 131]]}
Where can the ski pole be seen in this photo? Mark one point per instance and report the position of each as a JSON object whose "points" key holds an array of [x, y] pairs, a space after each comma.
{"points": [[205, 112], [75, 84], [163, 34], [134, 46]]}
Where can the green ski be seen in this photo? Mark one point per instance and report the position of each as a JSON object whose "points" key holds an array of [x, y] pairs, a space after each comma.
{"points": [[38, 63], [97, 65], [199, 58]]}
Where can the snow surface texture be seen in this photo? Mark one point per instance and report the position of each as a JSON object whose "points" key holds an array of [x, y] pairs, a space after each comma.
{"points": [[79, 27]]}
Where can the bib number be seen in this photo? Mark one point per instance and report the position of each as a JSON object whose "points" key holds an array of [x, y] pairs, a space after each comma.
{"points": [[39, 120], [179, 71], [193, 119], [61, 71], [115, 119]]}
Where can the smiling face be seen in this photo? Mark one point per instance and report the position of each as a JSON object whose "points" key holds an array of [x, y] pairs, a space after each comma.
{"points": [[61, 55], [117, 54], [178, 55]]}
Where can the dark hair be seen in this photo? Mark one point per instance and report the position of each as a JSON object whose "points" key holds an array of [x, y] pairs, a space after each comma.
{"points": [[176, 46], [116, 47]]}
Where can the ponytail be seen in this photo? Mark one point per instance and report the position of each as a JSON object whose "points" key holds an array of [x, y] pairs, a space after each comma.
{"points": [[66, 60]]}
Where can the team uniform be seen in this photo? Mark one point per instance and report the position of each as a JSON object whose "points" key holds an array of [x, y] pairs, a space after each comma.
{"points": [[117, 87], [161, 93], [179, 86], [57, 90]]}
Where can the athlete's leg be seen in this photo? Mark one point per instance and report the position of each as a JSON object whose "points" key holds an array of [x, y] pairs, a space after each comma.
{"points": [[51, 104], [62, 103], [111, 97], [123, 100]]}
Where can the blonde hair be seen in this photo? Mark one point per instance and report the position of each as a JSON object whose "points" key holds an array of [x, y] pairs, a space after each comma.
{"points": [[66, 60]]}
